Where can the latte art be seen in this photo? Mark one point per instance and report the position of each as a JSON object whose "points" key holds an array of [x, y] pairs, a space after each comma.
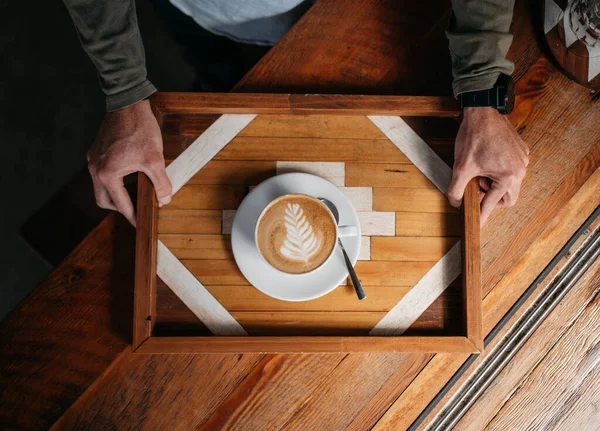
{"points": [[300, 242], [296, 233]]}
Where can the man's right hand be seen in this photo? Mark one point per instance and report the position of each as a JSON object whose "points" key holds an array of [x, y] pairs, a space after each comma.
{"points": [[129, 140]]}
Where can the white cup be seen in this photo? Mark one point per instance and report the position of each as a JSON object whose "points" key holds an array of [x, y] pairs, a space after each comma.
{"points": [[341, 231]]}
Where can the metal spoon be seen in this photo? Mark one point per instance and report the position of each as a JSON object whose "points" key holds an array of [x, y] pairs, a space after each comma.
{"points": [[360, 292]]}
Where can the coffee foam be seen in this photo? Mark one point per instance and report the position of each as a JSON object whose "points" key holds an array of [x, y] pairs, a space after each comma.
{"points": [[296, 234]]}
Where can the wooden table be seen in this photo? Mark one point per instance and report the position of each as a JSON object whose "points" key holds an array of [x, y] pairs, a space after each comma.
{"points": [[65, 354]]}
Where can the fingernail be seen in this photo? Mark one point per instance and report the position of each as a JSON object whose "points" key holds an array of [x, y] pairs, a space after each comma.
{"points": [[164, 201]]}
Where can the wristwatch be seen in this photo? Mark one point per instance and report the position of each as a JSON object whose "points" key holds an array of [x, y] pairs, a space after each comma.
{"points": [[501, 96]]}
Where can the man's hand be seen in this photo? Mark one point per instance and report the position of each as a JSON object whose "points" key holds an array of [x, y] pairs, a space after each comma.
{"points": [[128, 141], [488, 147]]}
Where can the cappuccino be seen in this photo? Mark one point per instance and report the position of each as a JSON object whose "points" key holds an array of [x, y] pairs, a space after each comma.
{"points": [[296, 233]]}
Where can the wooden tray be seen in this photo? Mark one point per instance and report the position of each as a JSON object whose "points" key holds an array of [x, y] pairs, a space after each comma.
{"points": [[420, 297]]}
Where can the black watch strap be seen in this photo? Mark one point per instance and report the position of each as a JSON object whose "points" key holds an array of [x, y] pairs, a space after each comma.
{"points": [[500, 96]]}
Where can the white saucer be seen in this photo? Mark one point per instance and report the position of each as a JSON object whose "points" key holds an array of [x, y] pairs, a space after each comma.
{"points": [[287, 287]]}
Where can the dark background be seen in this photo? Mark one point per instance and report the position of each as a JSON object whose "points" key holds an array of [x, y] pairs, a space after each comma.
{"points": [[52, 107]]}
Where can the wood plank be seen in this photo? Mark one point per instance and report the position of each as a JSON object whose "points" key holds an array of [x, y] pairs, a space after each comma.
{"points": [[471, 265], [377, 223], [243, 173], [295, 344], [193, 246], [360, 197], [144, 310], [204, 148], [419, 393], [273, 377], [113, 399], [391, 273], [308, 322], [197, 197], [188, 221], [216, 272], [412, 249], [221, 103], [428, 224], [193, 294], [547, 342], [362, 376], [49, 357], [248, 298], [389, 392], [370, 105], [331, 171], [386, 175], [415, 148], [429, 287], [434, 130], [311, 149], [410, 200], [571, 404], [177, 123], [312, 126], [261, 103]]}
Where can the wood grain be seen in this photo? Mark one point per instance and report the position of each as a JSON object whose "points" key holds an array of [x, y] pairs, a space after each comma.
{"points": [[385, 175], [262, 103], [189, 221], [471, 265], [43, 372], [428, 224], [291, 323], [331, 171], [144, 311], [539, 361], [412, 249], [189, 401], [198, 197], [248, 298], [359, 375], [410, 200], [312, 126], [217, 172], [311, 149], [572, 402], [192, 246], [324, 344], [391, 273], [216, 272]]}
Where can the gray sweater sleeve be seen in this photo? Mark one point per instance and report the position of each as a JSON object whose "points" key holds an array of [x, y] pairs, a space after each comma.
{"points": [[109, 33], [479, 39]]}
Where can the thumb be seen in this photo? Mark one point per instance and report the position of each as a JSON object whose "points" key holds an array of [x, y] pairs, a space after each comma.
{"points": [[162, 185], [456, 189]]}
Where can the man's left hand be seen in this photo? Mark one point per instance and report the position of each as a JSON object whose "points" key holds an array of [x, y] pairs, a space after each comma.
{"points": [[488, 147]]}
